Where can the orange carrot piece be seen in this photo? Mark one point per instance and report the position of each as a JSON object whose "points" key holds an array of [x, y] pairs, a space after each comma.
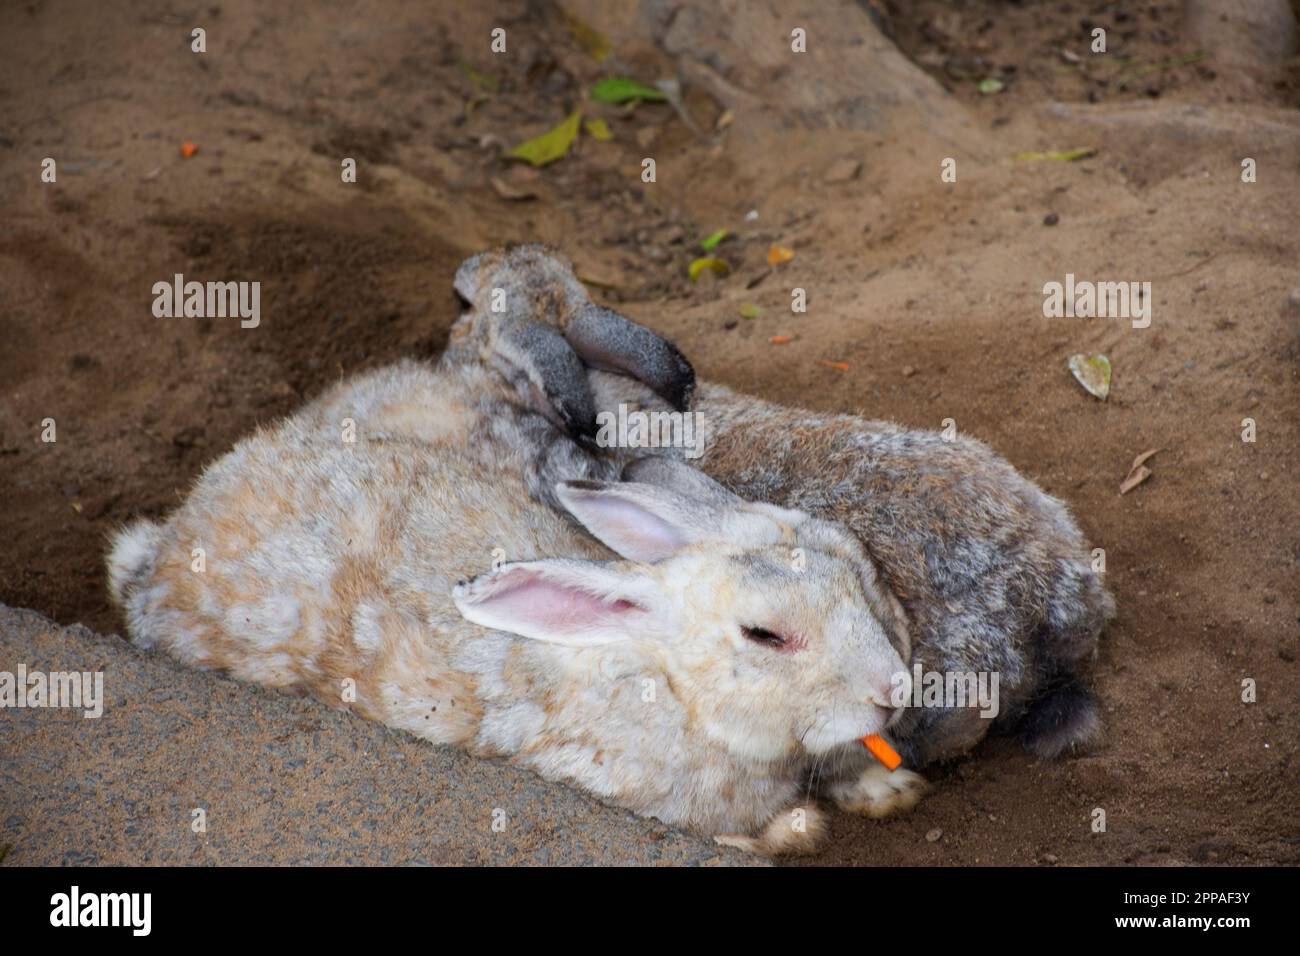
{"points": [[881, 750], [780, 340], [189, 149]]}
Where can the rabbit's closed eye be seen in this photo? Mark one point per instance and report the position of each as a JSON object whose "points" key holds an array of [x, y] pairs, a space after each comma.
{"points": [[761, 635]]}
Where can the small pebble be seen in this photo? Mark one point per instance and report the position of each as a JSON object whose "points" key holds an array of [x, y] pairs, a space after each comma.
{"points": [[1051, 219], [934, 835]]}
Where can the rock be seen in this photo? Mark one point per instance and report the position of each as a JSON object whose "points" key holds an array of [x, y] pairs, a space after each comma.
{"points": [[309, 770], [934, 835], [843, 171]]}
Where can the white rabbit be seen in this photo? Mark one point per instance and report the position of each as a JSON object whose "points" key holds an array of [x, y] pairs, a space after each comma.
{"points": [[696, 680]]}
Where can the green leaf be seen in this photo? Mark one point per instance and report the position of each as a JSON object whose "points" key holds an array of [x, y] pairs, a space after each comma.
{"points": [[598, 129], [710, 242], [484, 81], [621, 89], [716, 266], [1059, 156], [551, 145], [990, 86], [750, 311]]}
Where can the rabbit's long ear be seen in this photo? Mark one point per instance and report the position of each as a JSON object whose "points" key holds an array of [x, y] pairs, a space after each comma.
{"points": [[608, 341], [649, 523], [575, 603], [551, 367], [466, 281], [679, 477]]}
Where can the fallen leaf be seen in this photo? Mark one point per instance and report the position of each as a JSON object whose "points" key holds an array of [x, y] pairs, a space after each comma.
{"points": [[779, 254], [716, 266], [1092, 372], [598, 129], [507, 191], [620, 90], [551, 145], [1135, 478], [1059, 156], [780, 340], [990, 86], [710, 242], [483, 81], [589, 38], [1141, 459], [750, 311], [838, 366], [188, 150], [1138, 472]]}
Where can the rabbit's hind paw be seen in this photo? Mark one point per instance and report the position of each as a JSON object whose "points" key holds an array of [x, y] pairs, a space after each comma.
{"points": [[795, 831], [877, 792]]}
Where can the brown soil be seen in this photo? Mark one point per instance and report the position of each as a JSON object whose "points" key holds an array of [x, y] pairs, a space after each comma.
{"points": [[930, 292]]}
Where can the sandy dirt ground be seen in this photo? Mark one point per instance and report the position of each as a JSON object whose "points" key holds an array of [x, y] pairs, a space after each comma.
{"points": [[924, 302]]}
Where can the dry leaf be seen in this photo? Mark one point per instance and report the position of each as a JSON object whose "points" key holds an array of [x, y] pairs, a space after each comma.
{"points": [[1093, 373], [1135, 478], [1138, 472], [506, 191], [589, 38]]}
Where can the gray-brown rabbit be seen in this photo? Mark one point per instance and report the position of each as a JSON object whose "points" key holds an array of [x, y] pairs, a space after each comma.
{"points": [[692, 671], [993, 573]]}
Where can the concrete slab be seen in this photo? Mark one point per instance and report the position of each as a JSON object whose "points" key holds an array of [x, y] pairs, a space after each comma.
{"points": [[281, 780]]}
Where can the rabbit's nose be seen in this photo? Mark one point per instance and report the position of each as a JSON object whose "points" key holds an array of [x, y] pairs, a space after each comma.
{"points": [[883, 696]]}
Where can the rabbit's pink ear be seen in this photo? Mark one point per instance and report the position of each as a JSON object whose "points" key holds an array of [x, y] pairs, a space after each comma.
{"points": [[640, 522], [576, 603]]}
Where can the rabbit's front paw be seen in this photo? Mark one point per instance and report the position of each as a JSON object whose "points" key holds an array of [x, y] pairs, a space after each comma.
{"points": [[798, 830], [879, 793]]}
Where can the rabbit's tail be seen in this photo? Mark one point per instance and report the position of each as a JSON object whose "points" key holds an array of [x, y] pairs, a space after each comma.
{"points": [[131, 560], [1065, 717]]}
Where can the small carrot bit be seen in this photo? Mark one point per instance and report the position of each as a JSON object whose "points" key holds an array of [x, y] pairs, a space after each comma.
{"points": [[189, 149], [838, 366], [778, 254], [780, 340], [881, 750]]}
